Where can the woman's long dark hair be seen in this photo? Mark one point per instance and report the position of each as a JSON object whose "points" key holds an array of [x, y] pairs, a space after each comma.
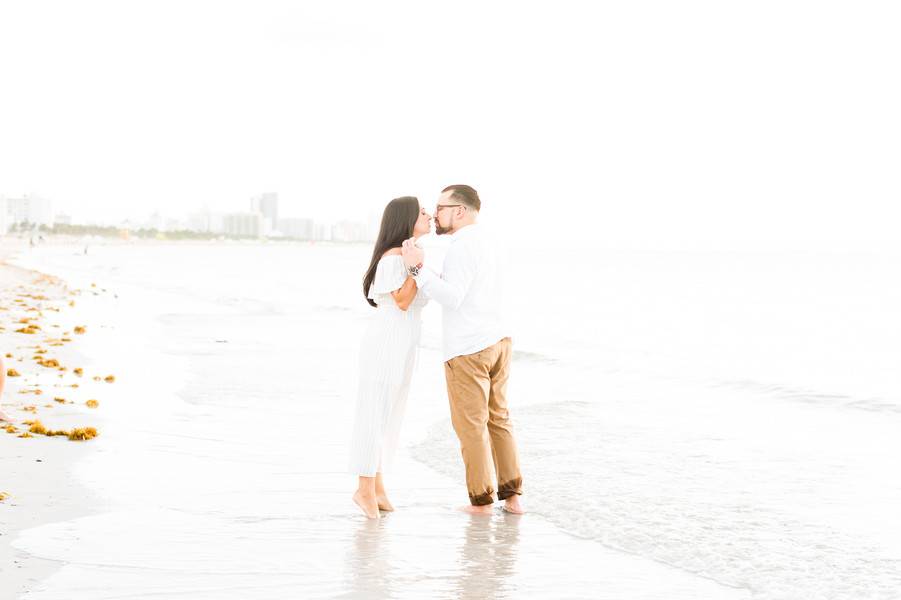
{"points": [[397, 225]]}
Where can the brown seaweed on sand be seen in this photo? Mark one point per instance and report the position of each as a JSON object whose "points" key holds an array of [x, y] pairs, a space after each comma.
{"points": [[38, 428], [92, 404], [79, 329], [81, 434], [12, 373]]}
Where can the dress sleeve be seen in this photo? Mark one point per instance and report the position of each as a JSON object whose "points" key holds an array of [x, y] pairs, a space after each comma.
{"points": [[390, 275]]}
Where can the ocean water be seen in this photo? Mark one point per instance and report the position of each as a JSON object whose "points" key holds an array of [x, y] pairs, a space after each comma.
{"points": [[731, 417]]}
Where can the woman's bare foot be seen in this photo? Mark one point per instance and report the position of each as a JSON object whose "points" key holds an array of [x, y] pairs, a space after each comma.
{"points": [[368, 504], [380, 494], [5, 417], [513, 505], [477, 510], [384, 504]]}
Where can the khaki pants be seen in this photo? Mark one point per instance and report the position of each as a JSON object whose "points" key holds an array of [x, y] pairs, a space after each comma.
{"points": [[476, 388]]}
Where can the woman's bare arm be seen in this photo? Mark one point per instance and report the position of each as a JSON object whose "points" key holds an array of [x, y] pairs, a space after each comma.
{"points": [[405, 295]]}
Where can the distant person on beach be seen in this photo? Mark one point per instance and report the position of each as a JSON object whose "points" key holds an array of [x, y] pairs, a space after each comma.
{"points": [[3, 415], [477, 348], [388, 352]]}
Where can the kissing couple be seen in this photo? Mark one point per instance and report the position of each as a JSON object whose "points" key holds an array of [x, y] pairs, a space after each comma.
{"points": [[476, 346]]}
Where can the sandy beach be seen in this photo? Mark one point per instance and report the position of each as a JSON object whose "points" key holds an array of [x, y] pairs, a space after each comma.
{"points": [[228, 514], [219, 471], [36, 472]]}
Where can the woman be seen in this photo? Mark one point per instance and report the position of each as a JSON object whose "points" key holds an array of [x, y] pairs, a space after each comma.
{"points": [[388, 352]]}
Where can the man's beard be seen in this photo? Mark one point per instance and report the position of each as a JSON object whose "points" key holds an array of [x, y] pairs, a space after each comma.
{"points": [[439, 230]]}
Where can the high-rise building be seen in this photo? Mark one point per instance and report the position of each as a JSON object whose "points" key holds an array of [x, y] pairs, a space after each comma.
{"points": [[28, 210], [267, 205], [244, 225]]}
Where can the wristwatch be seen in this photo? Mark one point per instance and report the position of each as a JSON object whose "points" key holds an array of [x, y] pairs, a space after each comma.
{"points": [[414, 270]]}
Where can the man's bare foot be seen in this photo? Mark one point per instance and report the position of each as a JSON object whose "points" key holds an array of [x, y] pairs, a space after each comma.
{"points": [[368, 504], [477, 510], [513, 505], [384, 504]]}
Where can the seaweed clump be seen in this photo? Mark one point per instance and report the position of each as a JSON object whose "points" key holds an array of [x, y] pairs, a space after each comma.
{"points": [[79, 434], [82, 434]]}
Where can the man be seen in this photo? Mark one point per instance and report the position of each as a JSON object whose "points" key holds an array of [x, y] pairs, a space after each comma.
{"points": [[477, 349]]}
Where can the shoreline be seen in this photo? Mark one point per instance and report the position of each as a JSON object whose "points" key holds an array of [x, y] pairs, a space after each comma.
{"points": [[224, 459], [37, 472], [242, 509]]}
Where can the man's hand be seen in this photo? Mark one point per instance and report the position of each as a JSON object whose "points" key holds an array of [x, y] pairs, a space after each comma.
{"points": [[412, 255]]}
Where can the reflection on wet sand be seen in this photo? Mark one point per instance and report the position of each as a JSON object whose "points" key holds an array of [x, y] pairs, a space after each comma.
{"points": [[369, 561], [480, 563], [488, 557]]}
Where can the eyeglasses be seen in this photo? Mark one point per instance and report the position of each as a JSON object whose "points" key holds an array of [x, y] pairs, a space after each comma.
{"points": [[438, 207]]}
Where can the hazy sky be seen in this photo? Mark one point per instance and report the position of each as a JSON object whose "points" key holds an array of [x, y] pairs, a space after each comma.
{"points": [[642, 121]]}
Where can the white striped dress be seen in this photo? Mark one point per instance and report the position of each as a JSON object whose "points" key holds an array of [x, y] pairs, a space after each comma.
{"points": [[387, 357]]}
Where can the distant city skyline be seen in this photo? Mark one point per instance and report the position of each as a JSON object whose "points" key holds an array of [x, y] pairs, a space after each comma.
{"points": [[260, 220]]}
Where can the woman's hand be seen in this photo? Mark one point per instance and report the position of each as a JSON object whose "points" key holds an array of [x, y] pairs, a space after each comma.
{"points": [[413, 255]]}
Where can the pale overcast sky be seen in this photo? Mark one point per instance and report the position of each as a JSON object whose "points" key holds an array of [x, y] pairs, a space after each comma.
{"points": [[642, 121]]}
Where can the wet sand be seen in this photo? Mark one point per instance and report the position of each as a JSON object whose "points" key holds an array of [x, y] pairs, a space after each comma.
{"points": [[195, 500], [311, 542], [36, 472]]}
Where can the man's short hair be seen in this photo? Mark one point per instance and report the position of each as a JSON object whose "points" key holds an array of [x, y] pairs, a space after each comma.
{"points": [[464, 194]]}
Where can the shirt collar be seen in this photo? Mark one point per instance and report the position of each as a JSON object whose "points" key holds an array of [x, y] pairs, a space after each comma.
{"points": [[465, 232]]}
